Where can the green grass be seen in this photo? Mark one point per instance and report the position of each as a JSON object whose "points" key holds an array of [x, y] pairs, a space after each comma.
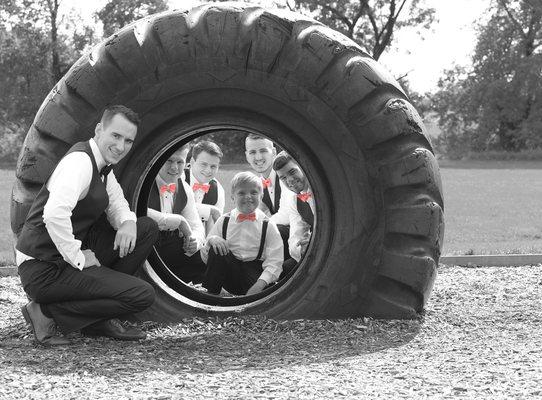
{"points": [[491, 207]]}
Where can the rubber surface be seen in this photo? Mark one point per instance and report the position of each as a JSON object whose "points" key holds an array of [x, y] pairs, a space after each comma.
{"points": [[379, 221]]}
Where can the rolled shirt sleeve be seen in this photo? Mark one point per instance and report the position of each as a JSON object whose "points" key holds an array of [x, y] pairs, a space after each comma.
{"points": [[118, 210]]}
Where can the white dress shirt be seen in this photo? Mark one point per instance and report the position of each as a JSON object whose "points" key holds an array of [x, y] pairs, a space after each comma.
{"points": [[243, 239], [204, 210], [298, 228], [282, 216], [168, 221], [68, 184]]}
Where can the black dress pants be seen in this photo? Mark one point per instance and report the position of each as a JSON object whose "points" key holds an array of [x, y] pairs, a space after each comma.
{"points": [[187, 268], [74, 298], [230, 273]]}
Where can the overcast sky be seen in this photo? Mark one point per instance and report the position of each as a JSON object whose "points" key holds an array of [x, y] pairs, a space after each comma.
{"points": [[450, 40]]}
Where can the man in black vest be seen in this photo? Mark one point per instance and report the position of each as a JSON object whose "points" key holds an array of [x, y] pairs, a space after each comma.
{"points": [[260, 153], [302, 206], [172, 206], [76, 265], [201, 176]]}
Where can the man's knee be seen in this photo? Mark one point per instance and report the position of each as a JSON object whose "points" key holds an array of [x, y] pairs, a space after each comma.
{"points": [[147, 227], [141, 296]]}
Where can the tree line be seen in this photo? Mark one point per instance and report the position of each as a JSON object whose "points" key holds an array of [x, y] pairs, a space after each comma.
{"points": [[493, 104]]}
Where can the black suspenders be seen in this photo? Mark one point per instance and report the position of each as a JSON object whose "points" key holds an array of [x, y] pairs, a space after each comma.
{"points": [[262, 239]]}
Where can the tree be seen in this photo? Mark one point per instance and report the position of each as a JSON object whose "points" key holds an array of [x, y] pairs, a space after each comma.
{"points": [[38, 44], [497, 104], [370, 23], [119, 13]]}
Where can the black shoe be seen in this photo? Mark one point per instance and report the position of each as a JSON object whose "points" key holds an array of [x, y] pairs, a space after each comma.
{"points": [[44, 328], [113, 328]]}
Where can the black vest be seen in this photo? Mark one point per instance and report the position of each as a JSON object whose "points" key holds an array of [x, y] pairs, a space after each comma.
{"points": [[305, 211], [179, 200], [34, 239], [211, 197], [267, 199]]}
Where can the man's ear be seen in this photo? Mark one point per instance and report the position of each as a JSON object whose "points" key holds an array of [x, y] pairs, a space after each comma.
{"points": [[274, 151], [98, 129]]}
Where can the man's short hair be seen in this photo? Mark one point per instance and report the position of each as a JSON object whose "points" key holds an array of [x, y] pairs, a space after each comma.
{"points": [[111, 111], [281, 160], [245, 177], [255, 136], [208, 147]]}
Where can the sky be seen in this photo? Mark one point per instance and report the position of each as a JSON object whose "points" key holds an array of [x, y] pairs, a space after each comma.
{"points": [[450, 40]]}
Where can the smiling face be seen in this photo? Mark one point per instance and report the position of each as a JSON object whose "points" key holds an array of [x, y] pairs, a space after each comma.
{"points": [[260, 154], [247, 196], [115, 138], [204, 167], [294, 178], [174, 166]]}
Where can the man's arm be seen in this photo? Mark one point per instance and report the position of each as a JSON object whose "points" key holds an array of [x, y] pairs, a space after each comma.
{"points": [[118, 210], [190, 213], [299, 230], [282, 216], [273, 255], [67, 185]]}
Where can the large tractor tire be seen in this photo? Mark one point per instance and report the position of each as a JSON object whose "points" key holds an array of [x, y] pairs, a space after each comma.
{"points": [[379, 219]]}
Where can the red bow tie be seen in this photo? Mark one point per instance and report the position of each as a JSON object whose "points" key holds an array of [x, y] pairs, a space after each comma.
{"points": [[201, 186], [172, 188], [246, 217], [266, 182], [304, 196]]}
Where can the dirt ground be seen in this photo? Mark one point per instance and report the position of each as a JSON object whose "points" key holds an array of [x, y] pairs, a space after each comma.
{"points": [[480, 338]]}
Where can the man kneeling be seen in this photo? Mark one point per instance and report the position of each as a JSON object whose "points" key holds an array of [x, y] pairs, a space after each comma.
{"points": [[245, 250], [75, 265]]}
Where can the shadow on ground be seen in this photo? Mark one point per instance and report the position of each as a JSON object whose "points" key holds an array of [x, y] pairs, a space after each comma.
{"points": [[207, 345]]}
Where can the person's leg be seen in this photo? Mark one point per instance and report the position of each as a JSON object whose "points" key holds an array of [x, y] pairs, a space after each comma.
{"points": [[218, 269], [287, 267], [284, 231], [75, 299], [188, 269], [101, 239], [249, 272]]}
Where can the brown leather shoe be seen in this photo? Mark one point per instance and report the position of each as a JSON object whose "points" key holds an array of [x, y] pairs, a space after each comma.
{"points": [[44, 328], [113, 328]]}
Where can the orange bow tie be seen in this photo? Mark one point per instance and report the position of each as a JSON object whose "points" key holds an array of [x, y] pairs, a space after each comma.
{"points": [[266, 183], [172, 188], [246, 217], [201, 186], [304, 196]]}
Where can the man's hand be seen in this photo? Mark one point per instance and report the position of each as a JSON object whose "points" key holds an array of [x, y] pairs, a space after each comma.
{"points": [[190, 244], [257, 287], [125, 239], [303, 243], [184, 229], [90, 259], [218, 244], [214, 213]]}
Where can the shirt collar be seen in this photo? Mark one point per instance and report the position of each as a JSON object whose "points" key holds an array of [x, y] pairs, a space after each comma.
{"points": [[100, 162]]}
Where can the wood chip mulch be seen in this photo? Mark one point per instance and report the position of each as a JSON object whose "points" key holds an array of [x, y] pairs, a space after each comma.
{"points": [[481, 337]]}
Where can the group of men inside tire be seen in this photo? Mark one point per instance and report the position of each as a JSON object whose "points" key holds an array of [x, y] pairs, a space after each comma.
{"points": [[81, 245], [249, 248]]}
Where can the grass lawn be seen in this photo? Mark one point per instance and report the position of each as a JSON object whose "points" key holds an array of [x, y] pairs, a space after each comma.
{"points": [[491, 207]]}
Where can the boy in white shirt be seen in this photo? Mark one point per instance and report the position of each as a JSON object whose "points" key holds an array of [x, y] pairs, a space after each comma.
{"points": [[201, 176], [182, 233], [244, 251]]}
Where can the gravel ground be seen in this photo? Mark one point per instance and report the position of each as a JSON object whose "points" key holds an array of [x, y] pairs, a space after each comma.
{"points": [[481, 337]]}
